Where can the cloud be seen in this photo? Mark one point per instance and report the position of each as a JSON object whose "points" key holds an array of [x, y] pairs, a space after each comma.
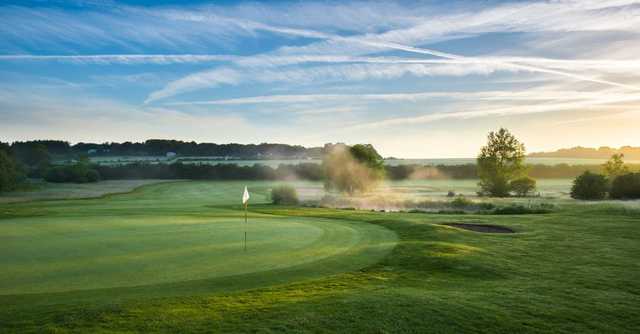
{"points": [[123, 58], [527, 95], [578, 51], [209, 78], [501, 17], [315, 75], [509, 110]]}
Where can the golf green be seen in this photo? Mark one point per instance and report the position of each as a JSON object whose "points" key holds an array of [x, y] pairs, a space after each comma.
{"points": [[175, 232]]}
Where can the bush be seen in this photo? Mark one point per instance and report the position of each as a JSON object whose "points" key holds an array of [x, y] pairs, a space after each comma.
{"points": [[589, 186], [486, 206], [77, 173], [92, 175], [461, 202], [523, 186], [286, 195], [518, 209], [626, 186]]}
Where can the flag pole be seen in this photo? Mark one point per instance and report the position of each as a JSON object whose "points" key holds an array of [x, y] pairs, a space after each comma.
{"points": [[245, 202], [245, 225]]}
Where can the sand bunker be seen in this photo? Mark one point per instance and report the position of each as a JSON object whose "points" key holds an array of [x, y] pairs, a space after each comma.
{"points": [[482, 228]]}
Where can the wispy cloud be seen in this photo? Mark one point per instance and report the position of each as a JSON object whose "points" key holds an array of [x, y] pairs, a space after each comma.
{"points": [[597, 65], [123, 58], [318, 74], [388, 41], [527, 95], [376, 65], [510, 110]]}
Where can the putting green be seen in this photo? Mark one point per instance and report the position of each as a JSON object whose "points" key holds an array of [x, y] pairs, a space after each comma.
{"points": [[170, 233]]}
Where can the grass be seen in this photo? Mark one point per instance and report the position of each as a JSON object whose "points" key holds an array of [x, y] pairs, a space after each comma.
{"points": [[38, 190], [572, 270]]}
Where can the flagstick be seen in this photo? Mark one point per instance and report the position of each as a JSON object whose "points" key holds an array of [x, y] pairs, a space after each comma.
{"points": [[245, 226]]}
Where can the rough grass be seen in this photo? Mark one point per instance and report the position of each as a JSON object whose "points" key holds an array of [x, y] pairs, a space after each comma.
{"points": [[573, 270]]}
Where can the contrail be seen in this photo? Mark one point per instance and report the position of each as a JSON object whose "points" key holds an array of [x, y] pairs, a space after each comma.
{"points": [[498, 62], [401, 47], [125, 58]]}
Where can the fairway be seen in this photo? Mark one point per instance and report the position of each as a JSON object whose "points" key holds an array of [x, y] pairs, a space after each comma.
{"points": [[174, 232]]}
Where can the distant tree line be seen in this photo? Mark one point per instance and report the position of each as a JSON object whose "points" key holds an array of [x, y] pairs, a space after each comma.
{"points": [[33, 159], [303, 171], [160, 147], [470, 171], [603, 152]]}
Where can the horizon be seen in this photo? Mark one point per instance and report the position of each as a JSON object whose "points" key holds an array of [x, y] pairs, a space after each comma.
{"points": [[428, 79], [386, 157]]}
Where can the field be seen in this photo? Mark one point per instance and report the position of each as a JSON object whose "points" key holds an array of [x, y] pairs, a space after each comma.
{"points": [[122, 160], [169, 257]]}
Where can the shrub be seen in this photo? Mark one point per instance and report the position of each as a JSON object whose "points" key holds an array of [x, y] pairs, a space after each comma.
{"points": [[92, 175], [589, 186], [626, 186], [77, 173], [486, 206], [461, 202], [519, 209], [523, 186], [286, 195]]}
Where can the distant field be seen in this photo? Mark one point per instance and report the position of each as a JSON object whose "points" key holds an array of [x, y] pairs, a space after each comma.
{"points": [[116, 160], [437, 190]]}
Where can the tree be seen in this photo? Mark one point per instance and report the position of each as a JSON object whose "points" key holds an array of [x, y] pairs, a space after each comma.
{"points": [[523, 186], [10, 175], [615, 167], [590, 186], [500, 162], [626, 186], [352, 169]]}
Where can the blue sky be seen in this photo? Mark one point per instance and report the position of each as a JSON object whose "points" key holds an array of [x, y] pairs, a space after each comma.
{"points": [[416, 79]]}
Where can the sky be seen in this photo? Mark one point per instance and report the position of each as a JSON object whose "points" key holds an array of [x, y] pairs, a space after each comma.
{"points": [[417, 79]]}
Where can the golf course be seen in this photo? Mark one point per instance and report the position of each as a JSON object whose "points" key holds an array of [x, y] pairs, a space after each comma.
{"points": [[169, 257]]}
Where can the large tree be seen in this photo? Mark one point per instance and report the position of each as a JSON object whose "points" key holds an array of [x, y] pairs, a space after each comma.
{"points": [[354, 169], [500, 162]]}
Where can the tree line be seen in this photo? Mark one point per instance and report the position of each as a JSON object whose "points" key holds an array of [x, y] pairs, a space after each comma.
{"points": [[500, 167], [603, 152], [160, 147]]}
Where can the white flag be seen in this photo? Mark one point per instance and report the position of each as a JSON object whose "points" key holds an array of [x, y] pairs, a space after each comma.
{"points": [[245, 196]]}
